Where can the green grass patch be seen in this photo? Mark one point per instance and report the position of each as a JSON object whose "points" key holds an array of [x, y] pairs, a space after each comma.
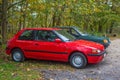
{"points": [[27, 70], [10, 70]]}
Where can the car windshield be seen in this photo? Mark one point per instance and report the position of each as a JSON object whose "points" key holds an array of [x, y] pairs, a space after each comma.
{"points": [[65, 36], [81, 33]]}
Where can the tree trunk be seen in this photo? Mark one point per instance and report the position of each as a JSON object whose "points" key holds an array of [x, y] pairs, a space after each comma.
{"points": [[4, 20], [58, 22], [24, 15], [46, 19], [111, 27], [24, 19], [54, 19], [100, 27], [20, 24]]}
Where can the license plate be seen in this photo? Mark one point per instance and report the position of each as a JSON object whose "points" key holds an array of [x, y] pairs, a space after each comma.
{"points": [[104, 54]]}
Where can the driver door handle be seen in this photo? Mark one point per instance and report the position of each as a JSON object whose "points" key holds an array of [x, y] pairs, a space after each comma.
{"points": [[36, 44]]}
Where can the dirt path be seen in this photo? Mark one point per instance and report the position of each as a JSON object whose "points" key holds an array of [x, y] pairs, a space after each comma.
{"points": [[109, 69]]}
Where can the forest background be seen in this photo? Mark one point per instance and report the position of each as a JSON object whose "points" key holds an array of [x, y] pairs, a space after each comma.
{"points": [[92, 16]]}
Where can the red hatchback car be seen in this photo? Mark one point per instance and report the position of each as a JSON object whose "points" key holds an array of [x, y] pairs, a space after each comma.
{"points": [[53, 44]]}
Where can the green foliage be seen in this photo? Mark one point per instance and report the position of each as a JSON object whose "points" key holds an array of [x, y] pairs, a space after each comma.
{"points": [[98, 16]]}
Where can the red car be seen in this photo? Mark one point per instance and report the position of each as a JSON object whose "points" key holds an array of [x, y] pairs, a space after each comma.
{"points": [[53, 44]]}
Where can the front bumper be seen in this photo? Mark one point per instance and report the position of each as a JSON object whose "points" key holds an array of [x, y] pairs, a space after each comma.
{"points": [[96, 58], [106, 45]]}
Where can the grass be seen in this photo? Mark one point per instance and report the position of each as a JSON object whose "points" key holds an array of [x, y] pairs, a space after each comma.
{"points": [[10, 70], [27, 70]]}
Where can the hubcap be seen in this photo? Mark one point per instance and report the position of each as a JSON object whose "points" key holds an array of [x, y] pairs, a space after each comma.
{"points": [[77, 61], [17, 56]]}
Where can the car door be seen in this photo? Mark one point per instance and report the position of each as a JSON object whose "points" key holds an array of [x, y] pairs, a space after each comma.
{"points": [[47, 48], [26, 43]]}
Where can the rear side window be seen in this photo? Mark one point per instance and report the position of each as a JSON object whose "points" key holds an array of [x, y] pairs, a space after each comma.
{"points": [[27, 35]]}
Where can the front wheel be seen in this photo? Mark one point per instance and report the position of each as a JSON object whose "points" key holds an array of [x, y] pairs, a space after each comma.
{"points": [[17, 55], [78, 60]]}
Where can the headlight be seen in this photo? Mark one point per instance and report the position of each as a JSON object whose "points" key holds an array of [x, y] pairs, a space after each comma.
{"points": [[105, 41], [96, 51]]}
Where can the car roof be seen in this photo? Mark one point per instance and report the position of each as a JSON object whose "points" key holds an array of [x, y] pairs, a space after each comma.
{"points": [[42, 29]]}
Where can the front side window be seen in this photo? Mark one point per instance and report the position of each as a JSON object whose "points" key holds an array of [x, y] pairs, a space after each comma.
{"points": [[71, 32], [43, 35], [65, 36], [27, 35], [74, 33]]}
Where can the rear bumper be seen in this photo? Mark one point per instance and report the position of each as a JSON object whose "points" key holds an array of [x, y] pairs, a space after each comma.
{"points": [[8, 50], [96, 58]]}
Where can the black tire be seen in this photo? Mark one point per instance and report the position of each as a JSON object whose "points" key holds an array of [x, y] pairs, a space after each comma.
{"points": [[78, 60], [17, 55]]}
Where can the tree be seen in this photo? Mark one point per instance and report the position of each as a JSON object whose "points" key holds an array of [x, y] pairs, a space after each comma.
{"points": [[96, 16], [4, 19]]}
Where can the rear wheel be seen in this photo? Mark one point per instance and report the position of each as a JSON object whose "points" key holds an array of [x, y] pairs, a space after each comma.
{"points": [[78, 60], [17, 55]]}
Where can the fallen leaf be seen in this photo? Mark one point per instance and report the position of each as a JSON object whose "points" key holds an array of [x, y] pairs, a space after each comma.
{"points": [[13, 74], [51, 79], [28, 69]]}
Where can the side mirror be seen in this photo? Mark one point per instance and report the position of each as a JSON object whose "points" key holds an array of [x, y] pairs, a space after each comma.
{"points": [[57, 40]]}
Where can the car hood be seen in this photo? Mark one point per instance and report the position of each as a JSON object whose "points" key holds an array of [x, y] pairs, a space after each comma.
{"points": [[94, 38], [87, 44]]}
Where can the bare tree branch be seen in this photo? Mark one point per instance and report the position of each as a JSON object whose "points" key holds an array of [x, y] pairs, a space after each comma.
{"points": [[15, 4]]}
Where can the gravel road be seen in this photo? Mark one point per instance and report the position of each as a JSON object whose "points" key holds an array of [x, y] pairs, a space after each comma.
{"points": [[109, 69]]}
